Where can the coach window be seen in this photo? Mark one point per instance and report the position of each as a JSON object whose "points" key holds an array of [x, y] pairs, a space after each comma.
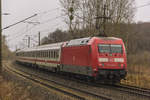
{"points": [[57, 54], [28, 54], [39, 53], [42, 54], [36, 53], [48, 54], [54, 54], [31, 54], [45, 54], [51, 53]]}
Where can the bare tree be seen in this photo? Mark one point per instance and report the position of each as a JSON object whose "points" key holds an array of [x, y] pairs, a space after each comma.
{"points": [[85, 12]]}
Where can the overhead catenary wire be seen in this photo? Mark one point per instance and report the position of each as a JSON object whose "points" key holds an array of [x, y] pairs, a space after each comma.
{"points": [[47, 11], [52, 19], [44, 12], [18, 22], [22, 33]]}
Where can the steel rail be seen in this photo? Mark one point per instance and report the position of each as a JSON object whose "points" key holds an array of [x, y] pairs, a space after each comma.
{"points": [[133, 90], [34, 78], [124, 88]]}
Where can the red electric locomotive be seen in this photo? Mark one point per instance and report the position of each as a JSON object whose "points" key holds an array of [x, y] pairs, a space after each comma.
{"points": [[100, 58]]}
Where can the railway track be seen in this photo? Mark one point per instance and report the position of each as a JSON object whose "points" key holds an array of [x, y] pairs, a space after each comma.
{"points": [[130, 90], [52, 84], [143, 92], [133, 90]]}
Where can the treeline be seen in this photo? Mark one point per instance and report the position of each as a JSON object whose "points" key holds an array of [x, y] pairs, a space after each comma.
{"points": [[86, 18], [135, 36], [6, 53]]}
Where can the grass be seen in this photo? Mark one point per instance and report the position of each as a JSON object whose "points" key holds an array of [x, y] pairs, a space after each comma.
{"points": [[138, 70], [11, 91], [138, 76], [12, 88]]}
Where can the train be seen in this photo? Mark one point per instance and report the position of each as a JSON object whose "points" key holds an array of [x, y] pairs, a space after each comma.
{"points": [[97, 58]]}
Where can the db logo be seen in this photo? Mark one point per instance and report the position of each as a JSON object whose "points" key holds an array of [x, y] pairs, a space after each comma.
{"points": [[111, 59]]}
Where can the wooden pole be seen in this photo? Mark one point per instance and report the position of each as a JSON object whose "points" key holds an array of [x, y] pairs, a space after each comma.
{"points": [[0, 37]]}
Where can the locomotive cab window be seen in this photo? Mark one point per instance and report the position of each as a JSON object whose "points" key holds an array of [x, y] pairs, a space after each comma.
{"points": [[110, 48]]}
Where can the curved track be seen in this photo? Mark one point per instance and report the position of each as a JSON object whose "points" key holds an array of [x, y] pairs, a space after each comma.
{"points": [[52, 84], [85, 95], [134, 90]]}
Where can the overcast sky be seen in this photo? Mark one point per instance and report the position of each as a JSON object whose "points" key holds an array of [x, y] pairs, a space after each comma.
{"points": [[20, 9]]}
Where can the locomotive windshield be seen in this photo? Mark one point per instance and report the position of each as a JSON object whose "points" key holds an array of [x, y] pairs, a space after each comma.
{"points": [[110, 48]]}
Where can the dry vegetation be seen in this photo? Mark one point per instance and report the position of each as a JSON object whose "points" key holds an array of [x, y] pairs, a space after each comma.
{"points": [[12, 91], [139, 70]]}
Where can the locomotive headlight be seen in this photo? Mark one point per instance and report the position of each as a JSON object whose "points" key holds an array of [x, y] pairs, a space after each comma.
{"points": [[119, 60], [103, 59]]}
